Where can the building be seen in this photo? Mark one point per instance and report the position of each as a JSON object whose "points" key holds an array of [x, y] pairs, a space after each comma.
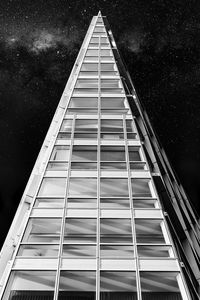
{"points": [[103, 215]]}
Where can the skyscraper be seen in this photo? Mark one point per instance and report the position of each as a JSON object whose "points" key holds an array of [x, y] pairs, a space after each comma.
{"points": [[102, 216]]}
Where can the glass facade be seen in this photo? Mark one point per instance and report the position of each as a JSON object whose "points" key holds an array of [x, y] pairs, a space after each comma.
{"points": [[95, 229]]}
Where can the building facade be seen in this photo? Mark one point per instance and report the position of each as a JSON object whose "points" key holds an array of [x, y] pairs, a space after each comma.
{"points": [[100, 217]]}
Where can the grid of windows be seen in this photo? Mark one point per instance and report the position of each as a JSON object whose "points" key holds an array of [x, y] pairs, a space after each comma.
{"points": [[96, 218]]}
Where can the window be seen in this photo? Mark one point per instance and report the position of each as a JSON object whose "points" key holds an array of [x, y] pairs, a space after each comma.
{"points": [[52, 187], [154, 251], [140, 187], [73, 251], [77, 285], [115, 203], [111, 125], [115, 231], [113, 166], [43, 230], [118, 285], [60, 153], [83, 125], [38, 250], [82, 102], [112, 103], [80, 230], [84, 153], [66, 125], [81, 202], [134, 154], [149, 231], [86, 83], [109, 153], [49, 202], [82, 187], [30, 285], [145, 203], [162, 285], [57, 166], [116, 251], [114, 187], [89, 67]]}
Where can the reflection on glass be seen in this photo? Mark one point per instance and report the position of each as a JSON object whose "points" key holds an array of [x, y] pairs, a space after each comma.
{"points": [[82, 187], [60, 153], [38, 250], [86, 251], [149, 231], [114, 187], [52, 187], [80, 230], [116, 231], [140, 187], [32, 285]]}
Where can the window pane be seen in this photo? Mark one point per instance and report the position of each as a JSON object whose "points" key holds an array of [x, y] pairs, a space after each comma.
{"points": [[113, 166], [140, 187], [83, 186], [83, 102], [42, 230], [86, 125], [84, 153], [30, 285], [38, 250], [113, 154], [77, 285], [112, 136], [57, 166], [116, 251], [134, 154], [118, 285], [52, 187], [83, 166], [153, 251], [116, 203], [116, 231], [162, 285], [112, 125], [60, 153], [66, 125], [129, 126], [81, 203], [79, 251], [49, 202], [114, 187], [149, 231], [80, 230]]}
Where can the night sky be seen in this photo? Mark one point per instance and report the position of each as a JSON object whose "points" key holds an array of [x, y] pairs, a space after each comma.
{"points": [[39, 40]]}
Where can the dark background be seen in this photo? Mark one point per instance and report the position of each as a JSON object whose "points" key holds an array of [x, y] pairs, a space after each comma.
{"points": [[39, 41]]}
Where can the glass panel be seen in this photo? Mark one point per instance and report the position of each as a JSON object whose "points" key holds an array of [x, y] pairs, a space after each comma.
{"points": [[112, 136], [89, 67], [129, 126], [116, 251], [83, 166], [116, 231], [116, 203], [32, 285], [57, 166], [108, 67], [86, 83], [82, 186], [110, 83], [145, 203], [111, 125], [153, 251], [80, 231], [114, 187], [81, 203], [66, 125], [134, 154], [86, 136], [77, 285], [83, 102], [64, 136], [113, 166], [118, 285], [38, 250], [79, 251], [160, 285], [60, 153], [84, 153], [149, 231], [137, 166], [52, 187], [112, 102], [49, 202], [46, 230], [109, 153], [92, 53], [86, 125], [140, 187]]}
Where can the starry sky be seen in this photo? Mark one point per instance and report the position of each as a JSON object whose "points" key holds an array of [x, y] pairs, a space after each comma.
{"points": [[159, 41]]}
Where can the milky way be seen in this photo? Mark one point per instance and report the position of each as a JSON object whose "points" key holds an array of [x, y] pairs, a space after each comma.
{"points": [[39, 41]]}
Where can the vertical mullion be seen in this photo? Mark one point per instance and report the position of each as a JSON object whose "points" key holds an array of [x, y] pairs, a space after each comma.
{"points": [[64, 215], [98, 176], [132, 212]]}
